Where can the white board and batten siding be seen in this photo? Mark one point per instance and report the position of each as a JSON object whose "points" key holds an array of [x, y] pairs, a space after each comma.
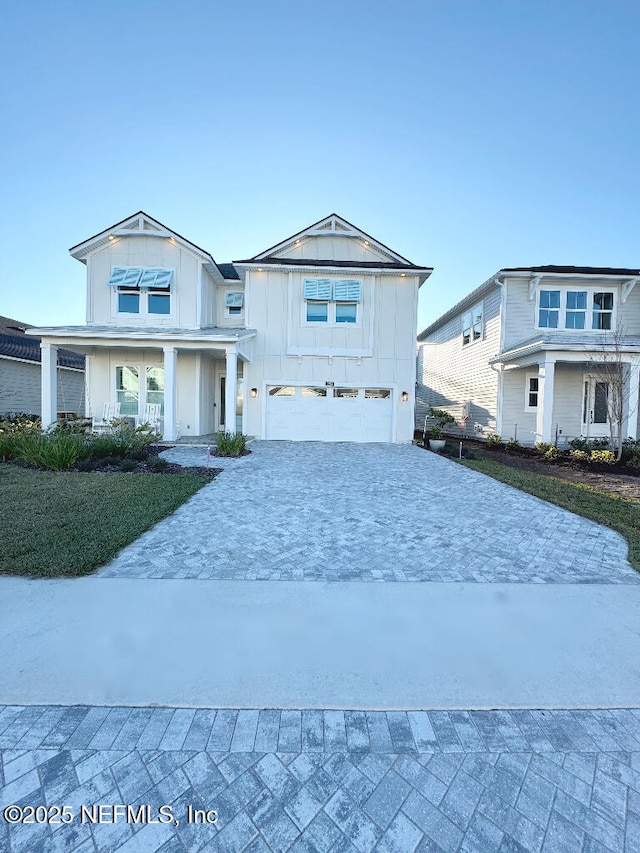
{"points": [[451, 374], [374, 354]]}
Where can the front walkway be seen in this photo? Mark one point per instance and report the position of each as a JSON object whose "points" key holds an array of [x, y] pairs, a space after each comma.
{"points": [[369, 512]]}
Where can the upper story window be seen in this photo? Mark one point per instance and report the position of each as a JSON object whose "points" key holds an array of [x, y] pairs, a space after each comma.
{"points": [[549, 312], [331, 302], [569, 309], [472, 325], [234, 302], [142, 291]]}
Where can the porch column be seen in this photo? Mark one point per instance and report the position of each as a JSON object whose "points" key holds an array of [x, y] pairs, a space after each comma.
{"points": [[631, 427], [170, 432], [231, 390], [49, 384], [544, 418]]}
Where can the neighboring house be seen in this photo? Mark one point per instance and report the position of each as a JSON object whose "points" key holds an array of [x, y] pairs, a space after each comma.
{"points": [[313, 338], [519, 355], [20, 373]]}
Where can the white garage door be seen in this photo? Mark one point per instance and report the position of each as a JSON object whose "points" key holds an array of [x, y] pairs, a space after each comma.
{"points": [[317, 413]]}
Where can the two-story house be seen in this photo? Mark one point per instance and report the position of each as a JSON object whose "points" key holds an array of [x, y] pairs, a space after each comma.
{"points": [[521, 355], [312, 339]]}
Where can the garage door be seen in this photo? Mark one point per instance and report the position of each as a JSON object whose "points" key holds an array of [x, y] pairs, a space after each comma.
{"points": [[328, 414]]}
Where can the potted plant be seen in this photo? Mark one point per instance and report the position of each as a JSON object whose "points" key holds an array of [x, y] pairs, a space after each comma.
{"points": [[435, 433]]}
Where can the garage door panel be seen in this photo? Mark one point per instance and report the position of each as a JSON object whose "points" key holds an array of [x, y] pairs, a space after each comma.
{"points": [[309, 415]]}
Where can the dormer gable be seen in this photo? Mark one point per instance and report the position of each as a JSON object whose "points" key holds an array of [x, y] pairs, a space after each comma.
{"points": [[333, 240], [140, 224]]}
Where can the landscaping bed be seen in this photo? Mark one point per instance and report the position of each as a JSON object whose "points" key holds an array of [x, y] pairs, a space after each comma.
{"points": [[623, 480]]}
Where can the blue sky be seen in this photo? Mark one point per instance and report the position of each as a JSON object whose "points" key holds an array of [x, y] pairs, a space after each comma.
{"points": [[468, 136]]}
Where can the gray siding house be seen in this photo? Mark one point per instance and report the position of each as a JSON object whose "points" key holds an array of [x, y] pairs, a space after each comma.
{"points": [[520, 355], [20, 373]]}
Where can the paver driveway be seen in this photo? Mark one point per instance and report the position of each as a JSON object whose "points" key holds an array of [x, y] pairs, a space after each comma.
{"points": [[369, 512]]}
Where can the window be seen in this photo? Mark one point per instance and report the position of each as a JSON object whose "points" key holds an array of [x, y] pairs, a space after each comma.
{"points": [[346, 312], [314, 392], [281, 391], [155, 386], [377, 393], [234, 301], [128, 301], [549, 312], [128, 390], [158, 303], [317, 312], [345, 392], [472, 325], [576, 309], [136, 386], [142, 291], [531, 392], [568, 309], [602, 310], [331, 301]]}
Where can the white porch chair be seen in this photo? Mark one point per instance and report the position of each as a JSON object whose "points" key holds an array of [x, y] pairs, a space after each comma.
{"points": [[151, 416], [110, 412]]}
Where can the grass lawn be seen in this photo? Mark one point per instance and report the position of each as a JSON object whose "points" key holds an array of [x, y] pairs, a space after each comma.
{"points": [[68, 524], [606, 508]]}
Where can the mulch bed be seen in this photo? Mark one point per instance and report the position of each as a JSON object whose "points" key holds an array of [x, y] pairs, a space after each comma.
{"points": [[624, 481]]}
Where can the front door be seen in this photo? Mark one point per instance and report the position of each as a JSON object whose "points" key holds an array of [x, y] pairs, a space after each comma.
{"points": [[595, 411]]}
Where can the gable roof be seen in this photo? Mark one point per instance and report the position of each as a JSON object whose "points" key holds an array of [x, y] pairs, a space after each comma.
{"points": [[334, 225], [15, 344], [141, 223], [560, 270]]}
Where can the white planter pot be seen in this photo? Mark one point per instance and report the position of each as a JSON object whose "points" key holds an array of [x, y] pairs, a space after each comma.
{"points": [[436, 444]]}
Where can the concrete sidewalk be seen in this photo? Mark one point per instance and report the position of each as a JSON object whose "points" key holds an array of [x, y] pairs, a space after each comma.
{"points": [[253, 644]]}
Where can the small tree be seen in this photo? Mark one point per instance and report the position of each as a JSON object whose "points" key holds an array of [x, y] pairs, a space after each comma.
{"points": [[610, 367]]}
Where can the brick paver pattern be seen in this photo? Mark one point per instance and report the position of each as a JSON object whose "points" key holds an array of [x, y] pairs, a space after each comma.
{"points": [[334, 781], [368, 512]]}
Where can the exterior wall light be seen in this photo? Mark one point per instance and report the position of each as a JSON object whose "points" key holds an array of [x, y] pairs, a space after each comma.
{"points": [[254, 392], [404, 396]]}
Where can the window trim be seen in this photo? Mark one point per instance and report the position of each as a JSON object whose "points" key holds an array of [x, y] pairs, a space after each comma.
{"points": [[529, 375], [590, 290], [143, 379], [478, 308], [332, 301]]}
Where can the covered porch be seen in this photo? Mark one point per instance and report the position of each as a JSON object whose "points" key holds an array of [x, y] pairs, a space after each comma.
{"points": [[196, 377], [554, 394]]}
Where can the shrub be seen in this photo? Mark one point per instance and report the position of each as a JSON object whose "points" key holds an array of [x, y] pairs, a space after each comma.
{"points": [[158, 464], [512, 444], [543, 446], [631, 451], [133, 439], [579, 443], [55, 452], [230, 444], [74, 426], [580, 455], [20, 422], [128, 465], [551, 453], [103, 446], [599, 443], [603, 457], [8, 445], [494, 441]]}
